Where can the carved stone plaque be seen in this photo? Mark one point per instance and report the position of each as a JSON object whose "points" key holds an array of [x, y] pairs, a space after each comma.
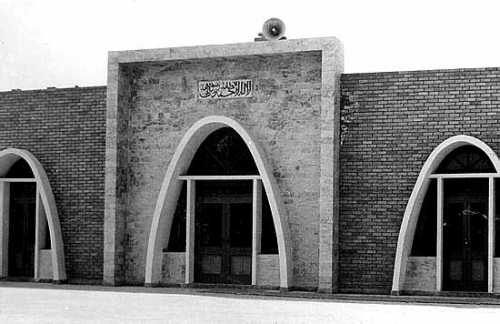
{"points": [[225, 89]]}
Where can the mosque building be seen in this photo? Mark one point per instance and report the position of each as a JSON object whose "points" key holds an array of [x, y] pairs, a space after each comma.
{"points": [[255, 164]]}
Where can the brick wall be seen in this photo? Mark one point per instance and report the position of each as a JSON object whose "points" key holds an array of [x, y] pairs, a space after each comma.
{"points": [[65, 130], [390, 124]]}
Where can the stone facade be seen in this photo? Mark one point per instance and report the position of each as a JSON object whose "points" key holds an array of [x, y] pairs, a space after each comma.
{"points": [[283, 115], [291, 114]]}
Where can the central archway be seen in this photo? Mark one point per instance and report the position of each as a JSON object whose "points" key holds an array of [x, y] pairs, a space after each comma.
{"points": [[172, 185]]}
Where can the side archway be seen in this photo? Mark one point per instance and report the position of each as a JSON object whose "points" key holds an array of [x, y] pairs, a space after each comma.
{"points": [[410, 218], [171, 187], [10, 156]]}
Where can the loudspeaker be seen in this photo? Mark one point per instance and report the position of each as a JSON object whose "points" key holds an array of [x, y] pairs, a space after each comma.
{"points": [[273, 29]]}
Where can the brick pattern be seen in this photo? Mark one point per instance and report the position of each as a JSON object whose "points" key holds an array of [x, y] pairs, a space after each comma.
{"points": [[390, 124], [65, 130]]}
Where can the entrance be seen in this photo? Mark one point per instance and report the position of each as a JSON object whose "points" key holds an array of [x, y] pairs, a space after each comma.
{"points": [[223, 238], [223, 220], [22, 229], [465, 235]]}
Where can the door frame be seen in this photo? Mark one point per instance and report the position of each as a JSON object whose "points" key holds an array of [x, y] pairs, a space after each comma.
{"points": [[439, 229], [190, 219]]}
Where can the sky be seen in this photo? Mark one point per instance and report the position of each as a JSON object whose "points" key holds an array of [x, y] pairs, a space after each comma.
{"points": [[63, 43]]}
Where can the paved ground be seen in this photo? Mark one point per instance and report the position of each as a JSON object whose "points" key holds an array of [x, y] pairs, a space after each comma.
{"points": [[31, 303]]}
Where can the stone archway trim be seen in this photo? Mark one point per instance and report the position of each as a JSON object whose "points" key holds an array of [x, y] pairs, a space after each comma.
{"points": [[171, 187], [8, 157], [417, 196]]}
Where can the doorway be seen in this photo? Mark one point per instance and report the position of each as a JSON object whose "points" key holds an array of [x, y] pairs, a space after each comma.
{"points": [[22, 230], [223, 220], [465, 235], [223, 238]]}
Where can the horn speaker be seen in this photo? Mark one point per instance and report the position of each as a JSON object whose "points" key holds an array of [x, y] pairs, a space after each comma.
{"points": [[273, 29]]}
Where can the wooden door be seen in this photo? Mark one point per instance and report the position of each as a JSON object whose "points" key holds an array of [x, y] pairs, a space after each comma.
{"points": [[223, 241]]}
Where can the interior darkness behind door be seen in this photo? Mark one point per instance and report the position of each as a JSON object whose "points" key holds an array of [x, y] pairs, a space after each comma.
{"points": [[22, 229]]}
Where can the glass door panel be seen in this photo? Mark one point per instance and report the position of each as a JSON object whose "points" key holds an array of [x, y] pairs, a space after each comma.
{"points": [[465, 234]]}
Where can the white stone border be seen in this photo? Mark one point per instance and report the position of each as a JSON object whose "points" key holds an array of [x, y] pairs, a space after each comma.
{"points": [[329, 44], [412, 211], [7, 158], [332, 63], [171, 187]]}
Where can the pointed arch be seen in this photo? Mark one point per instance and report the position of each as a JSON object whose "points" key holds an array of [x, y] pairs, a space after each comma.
{"points": [[171, 187], [10, 156], [410, 218]]}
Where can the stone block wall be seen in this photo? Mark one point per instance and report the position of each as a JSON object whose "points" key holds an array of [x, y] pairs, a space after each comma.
{"points": [[283, 115], [173, 270], [391, 122], [420, 274], [65, 130], [268, 273]]}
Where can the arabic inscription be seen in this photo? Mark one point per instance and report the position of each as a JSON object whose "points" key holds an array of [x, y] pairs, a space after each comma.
{"points": [[225, 89]]}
